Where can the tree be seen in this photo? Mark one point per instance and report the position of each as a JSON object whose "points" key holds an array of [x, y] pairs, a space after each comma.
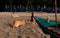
{"points": [[29, 2], [11, 4]]}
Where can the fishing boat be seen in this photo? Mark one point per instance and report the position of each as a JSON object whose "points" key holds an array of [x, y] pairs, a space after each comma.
{"points": [[48, 27], [52, 27]]}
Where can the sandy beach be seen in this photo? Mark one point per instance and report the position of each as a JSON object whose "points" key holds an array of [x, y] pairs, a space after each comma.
{"points": [[30, 30]]}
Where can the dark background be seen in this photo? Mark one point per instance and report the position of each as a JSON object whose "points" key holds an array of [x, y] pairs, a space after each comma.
{"points": [[24, 3]]}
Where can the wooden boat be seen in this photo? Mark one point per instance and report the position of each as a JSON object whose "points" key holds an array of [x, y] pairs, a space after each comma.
{"points": [[48, 27]]}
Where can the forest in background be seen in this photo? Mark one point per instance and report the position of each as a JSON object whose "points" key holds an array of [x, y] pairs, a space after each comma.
{"points": [[28, 2]]}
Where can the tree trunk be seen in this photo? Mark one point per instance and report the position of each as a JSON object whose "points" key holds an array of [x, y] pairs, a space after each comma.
{"points": [[56, 12]]}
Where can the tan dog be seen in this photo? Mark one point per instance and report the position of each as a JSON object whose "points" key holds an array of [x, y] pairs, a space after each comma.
{"points": [[18, 23]]}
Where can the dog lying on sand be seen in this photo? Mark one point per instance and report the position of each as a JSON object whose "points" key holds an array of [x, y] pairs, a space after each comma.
{"points": [[18, 23]]}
